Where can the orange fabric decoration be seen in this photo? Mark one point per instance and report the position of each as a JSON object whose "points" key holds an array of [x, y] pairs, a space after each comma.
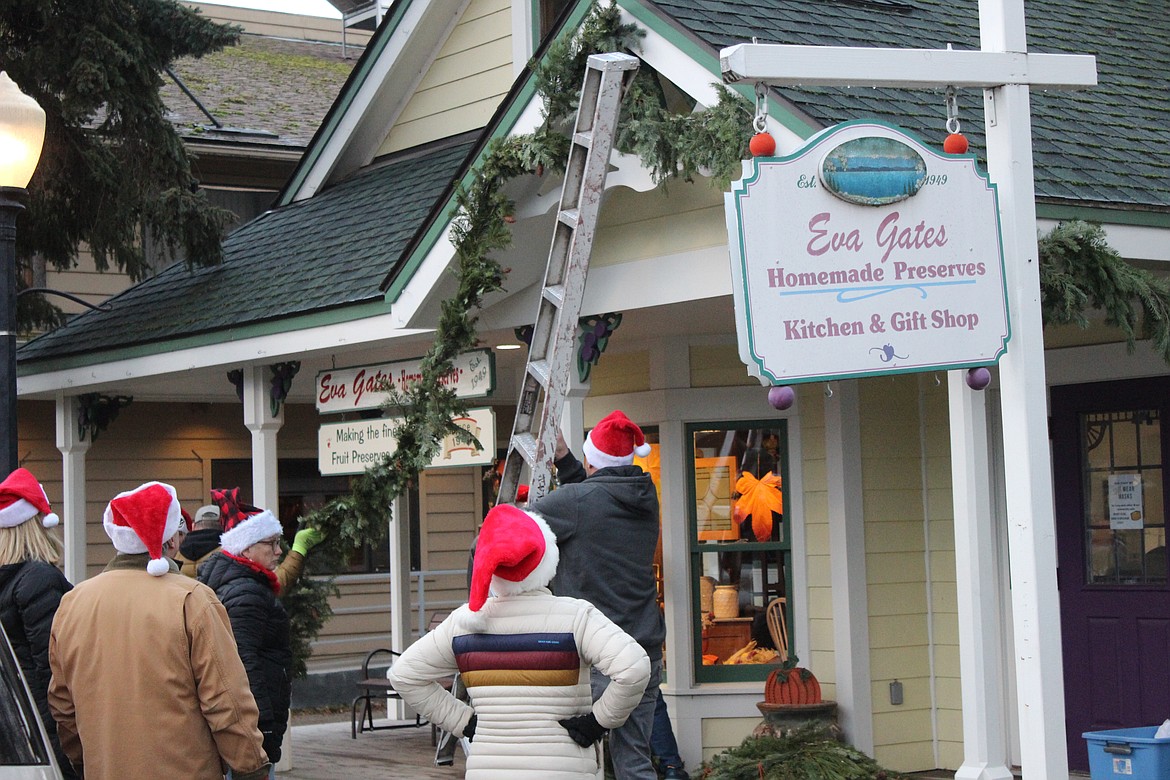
{"points": [[758, 499]]}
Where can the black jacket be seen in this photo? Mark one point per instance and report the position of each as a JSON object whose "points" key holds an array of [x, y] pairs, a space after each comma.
{"points": [[261, 627], [607, 533], [30, 593]]}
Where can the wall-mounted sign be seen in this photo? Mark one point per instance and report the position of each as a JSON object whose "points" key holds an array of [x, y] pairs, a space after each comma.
{"points": [[352, 447], [1125, 502], [865, 253], [473, 375]]}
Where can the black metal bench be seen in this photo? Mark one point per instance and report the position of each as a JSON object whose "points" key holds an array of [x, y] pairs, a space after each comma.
{"points": [[371, 687]]}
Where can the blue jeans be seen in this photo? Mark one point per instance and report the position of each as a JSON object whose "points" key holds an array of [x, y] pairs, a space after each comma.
{"points": [[629, 744], [662, 741]]}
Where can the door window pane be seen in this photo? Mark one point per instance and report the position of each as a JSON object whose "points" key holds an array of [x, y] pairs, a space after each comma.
{"points": [[1124, 514]]}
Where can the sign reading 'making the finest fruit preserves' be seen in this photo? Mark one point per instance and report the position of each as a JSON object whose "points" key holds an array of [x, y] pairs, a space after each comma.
{"points": [[865, 253]]}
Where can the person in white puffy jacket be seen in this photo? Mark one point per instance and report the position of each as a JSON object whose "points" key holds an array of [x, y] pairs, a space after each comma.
{"points": [[524, 655]]}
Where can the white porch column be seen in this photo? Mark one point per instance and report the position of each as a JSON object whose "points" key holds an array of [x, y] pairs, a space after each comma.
{"points": [[72, 511], [981, 667], [847, 556], [1027, 484], [258, 419], [400, 631]]}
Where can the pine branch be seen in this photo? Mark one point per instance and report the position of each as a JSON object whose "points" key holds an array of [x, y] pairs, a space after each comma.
{"points": [[1079, 270]]}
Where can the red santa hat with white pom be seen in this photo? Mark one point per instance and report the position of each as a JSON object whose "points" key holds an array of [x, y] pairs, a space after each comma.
{"points": [[615, 441], [140, 520], [516, 552], [23, 498]]}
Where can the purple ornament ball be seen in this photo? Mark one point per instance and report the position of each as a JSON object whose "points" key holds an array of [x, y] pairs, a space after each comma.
{"points": [[978, 378], [781, 397]]}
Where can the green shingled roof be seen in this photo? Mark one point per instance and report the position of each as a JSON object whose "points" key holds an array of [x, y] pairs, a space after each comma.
{"points": [[331, 250], [1102, 147], [1108, 145]]}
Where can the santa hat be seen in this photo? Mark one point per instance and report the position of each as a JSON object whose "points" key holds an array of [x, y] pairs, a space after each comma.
{"points": [[140, 520], [614, 442], [521, 494], [232, 511], [255, 527], [516, 552], [188, 523], [23, 498]]}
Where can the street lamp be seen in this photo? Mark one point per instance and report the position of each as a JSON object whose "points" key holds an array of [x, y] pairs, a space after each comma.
{"points": [[22, 133]]}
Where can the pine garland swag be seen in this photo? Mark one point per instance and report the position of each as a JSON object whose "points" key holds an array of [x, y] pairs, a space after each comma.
{"points": [[714, 140], [1079, 270], [808, 752]]}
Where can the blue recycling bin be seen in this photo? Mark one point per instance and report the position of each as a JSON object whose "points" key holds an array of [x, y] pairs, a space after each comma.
{"points": [[1132, 754]]}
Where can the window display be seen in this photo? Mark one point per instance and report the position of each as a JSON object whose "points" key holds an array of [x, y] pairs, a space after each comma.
{"points": [[740, 548]]}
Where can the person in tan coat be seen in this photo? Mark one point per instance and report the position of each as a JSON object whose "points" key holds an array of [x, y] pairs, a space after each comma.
{"points": [[140, 654]]}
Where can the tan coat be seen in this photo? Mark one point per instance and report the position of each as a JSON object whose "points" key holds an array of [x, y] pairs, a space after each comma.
{"points": [[146, 676]]}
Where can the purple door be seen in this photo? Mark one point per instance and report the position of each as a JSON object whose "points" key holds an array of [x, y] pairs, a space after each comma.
{"points": [[1109, 450]]}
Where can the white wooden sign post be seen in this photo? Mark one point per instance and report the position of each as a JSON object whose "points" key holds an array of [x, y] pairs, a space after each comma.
{"points": [[1005, 71]]}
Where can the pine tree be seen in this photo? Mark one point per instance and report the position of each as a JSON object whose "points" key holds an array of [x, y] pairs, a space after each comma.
{"points": [[113, 170]]}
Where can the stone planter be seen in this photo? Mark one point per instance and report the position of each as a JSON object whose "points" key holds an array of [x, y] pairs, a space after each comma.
{"points": [[780, 719]]}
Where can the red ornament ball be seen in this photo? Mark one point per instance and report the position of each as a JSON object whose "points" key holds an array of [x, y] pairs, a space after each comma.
{"points": [[781, 397], [978, 378], [955, 143], [762, 145]]}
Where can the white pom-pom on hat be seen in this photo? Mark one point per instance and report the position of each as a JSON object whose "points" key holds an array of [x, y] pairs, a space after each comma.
{"points": [[50, 520]]}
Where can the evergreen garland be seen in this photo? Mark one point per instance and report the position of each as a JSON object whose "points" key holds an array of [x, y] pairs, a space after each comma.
{"points": [[713, 140], [808, 752], [1079, 270]]}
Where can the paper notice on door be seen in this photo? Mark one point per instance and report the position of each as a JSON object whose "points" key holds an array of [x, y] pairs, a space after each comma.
{"points": [[1125, 502]]}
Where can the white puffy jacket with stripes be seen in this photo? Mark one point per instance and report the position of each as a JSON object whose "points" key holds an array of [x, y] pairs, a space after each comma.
{"points": [[525, 660]]}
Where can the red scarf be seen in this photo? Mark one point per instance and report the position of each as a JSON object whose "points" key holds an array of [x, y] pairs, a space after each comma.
{"points": [[271, 575]]}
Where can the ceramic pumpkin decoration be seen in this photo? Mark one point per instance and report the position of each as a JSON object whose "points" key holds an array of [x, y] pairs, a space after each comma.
{"points": [[792, 684]]}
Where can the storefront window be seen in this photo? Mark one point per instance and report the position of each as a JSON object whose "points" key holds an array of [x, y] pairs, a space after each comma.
{"points": [[740, 547]]}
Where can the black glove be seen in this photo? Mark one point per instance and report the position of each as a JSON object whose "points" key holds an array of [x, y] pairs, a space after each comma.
{"points": [[584, 729], [469, 729]]}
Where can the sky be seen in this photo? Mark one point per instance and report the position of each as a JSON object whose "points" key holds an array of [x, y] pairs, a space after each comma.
{"points": [[309, 7]]}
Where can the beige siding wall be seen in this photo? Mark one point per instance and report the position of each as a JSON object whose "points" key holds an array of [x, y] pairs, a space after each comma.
{"points": [[679, 217], [620, 372], [821, 660], [909, 547], [282, 25], [450, 510], [719, 734], [718, 365], [86, 282], [463, 87]]}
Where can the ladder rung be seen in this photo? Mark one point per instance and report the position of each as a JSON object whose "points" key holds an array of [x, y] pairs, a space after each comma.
{"points": [[555, 295], [539, 369], [583, 139], [571, 217], [525, 444]]}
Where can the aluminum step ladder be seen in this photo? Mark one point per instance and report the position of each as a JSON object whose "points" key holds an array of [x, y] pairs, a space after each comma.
{"points": [[550, 354]]}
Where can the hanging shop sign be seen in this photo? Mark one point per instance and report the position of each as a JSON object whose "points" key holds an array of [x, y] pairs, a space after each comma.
{"points": [[473, 375], [352, 447], [865, 253]]}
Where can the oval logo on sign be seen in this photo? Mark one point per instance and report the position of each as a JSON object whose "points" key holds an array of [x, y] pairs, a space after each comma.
{"points": [[873, 171]]}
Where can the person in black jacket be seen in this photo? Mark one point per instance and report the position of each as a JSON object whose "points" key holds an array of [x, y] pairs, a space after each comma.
{"points": [[243, 576], [605, 518], [31, 587]]}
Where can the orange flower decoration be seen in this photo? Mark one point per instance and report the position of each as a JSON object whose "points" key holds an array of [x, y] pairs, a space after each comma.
{"points": [[758, 499]]}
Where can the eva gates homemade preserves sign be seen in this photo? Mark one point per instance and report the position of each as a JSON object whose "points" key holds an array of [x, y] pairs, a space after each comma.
{"points": [[865, 253]]}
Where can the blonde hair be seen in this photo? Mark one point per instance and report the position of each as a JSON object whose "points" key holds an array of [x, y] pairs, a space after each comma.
{"points": [[29, 541]]}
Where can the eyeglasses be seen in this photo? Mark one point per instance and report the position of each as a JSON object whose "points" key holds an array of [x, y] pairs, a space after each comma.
{"points": [[274, 542]]}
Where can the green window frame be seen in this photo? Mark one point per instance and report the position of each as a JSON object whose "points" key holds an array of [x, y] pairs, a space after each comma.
{"points": [[758, 561]]}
